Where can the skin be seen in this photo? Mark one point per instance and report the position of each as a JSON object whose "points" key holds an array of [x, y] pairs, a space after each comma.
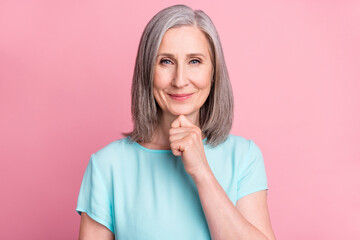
{"points": [[183, 65], [92, 230]]}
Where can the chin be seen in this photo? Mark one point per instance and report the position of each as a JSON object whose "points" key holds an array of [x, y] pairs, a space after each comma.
{"points": [[185, 112]]}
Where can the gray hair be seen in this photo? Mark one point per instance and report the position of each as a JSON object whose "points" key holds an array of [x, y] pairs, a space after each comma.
{"points": [[216, 114]]}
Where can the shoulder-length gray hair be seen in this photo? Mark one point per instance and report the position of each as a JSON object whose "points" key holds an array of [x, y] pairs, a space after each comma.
{"points": [[217, 112]]}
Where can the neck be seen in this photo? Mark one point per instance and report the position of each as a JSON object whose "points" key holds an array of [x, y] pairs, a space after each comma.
{"points": [[161, 134]]}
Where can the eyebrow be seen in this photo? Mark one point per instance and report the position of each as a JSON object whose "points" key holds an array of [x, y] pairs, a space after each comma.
{"points": [[188, 55]]}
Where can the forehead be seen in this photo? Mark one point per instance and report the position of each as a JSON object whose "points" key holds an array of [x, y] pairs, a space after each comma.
{"points": [[187, 39]]}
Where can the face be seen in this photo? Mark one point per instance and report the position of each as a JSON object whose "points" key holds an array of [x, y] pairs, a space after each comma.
{"points": [[183, 71]]}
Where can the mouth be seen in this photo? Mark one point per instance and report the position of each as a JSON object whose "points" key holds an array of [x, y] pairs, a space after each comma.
{"points": [[180, 97]]}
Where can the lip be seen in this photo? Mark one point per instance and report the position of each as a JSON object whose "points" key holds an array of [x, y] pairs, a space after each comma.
{"points": [[180, 97]]}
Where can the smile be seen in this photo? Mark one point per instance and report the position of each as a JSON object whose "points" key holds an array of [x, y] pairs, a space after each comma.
{"points": [[180, 97]]}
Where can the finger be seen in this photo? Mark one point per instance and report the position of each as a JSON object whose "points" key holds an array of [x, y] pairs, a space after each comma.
{"points": [[185, 122], [192, 132], [176, 130], [179, 145], [176, 152], [176, 123], [178, 136]]}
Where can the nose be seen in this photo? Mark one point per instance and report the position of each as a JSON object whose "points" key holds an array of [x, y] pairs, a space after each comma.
{"points": [[180, 79]]}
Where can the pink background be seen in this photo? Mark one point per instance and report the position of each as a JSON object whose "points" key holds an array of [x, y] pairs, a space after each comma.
{"points": [[65, 77]]}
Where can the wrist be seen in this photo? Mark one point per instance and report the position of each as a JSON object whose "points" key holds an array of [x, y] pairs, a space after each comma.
{"points": [[203, 175]]}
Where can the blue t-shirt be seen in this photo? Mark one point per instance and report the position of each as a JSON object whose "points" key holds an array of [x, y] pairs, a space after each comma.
{"points": [[140, 193]]}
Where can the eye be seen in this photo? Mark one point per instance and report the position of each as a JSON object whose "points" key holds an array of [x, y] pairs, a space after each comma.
{"points": [[195, 61], [165, 61]]}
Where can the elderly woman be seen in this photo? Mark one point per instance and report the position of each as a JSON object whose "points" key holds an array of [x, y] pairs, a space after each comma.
{"points": [[179, 174]]}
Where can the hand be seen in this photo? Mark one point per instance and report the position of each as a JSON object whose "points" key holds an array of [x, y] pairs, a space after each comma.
{"points": [[186, 141]]}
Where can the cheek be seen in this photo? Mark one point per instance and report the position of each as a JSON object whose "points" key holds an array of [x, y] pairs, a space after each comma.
{"points": [[162, 78], [157, 80], [161, 82], [203, 79], [158, 97]]}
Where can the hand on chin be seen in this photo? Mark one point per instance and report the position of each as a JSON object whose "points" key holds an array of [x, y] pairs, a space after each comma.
{"points": [[186, 141]]}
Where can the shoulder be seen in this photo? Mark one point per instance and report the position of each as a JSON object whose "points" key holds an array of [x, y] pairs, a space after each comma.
{"points": [[106, 155], [246, 144], [247, 151], [238, 140], [235, 142], [237, 146], [113, 147]]}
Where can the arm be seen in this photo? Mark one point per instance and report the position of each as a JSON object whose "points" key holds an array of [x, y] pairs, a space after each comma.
{"points": [[92, 230], [248, 220]]}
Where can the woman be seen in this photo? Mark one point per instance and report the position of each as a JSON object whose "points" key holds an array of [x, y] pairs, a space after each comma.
{"points": [[179, 174]]}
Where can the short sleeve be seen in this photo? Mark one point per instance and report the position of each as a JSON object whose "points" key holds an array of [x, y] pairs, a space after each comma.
{"points": [[252, 176], [94, 196]]}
